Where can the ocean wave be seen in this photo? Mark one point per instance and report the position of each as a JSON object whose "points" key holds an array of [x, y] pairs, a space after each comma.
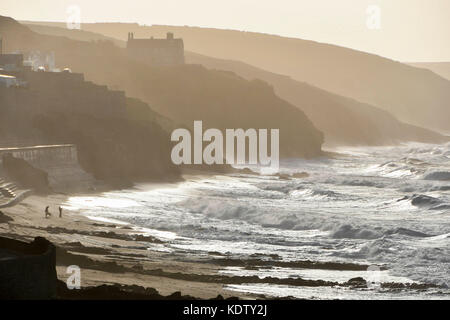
{"points": [[407, 232], [363, 182], [347, 231], [318, 194], [426, 202]]}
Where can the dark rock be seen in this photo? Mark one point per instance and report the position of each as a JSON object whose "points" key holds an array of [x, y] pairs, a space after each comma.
{"points": [[27, 270], [357, 282]]}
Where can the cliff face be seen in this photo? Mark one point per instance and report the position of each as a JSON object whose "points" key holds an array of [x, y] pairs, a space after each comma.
{"points": [[118, 139], [440, 68], [342, 120], [185, 93], [112, 148], [221, 100], [119, 151]]}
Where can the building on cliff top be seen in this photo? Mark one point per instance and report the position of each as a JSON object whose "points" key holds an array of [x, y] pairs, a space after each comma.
{"points": [[156, 52]]}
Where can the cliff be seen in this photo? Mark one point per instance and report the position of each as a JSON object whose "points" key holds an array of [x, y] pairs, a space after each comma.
{"points": [[440, 68], [343, 121], [182, 93], [115, 149]]}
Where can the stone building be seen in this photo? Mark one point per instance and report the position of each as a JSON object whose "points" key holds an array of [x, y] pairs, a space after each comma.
{"points": [[157, 52]]}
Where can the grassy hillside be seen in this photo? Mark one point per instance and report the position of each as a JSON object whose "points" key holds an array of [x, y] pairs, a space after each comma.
{"points": [[414, 95], [343, 121]]}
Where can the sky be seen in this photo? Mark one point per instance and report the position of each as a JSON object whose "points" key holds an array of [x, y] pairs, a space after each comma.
{"points": [[403, 30]]}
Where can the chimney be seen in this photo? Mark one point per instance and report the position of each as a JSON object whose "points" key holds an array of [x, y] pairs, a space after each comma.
{"points": [[169, 36]]}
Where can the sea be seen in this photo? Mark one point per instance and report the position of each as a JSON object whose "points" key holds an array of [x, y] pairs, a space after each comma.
{"points": [[387, 208]]}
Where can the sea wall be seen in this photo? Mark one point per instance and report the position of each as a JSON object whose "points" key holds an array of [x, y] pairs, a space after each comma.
{"points": [[60, 162], [45, 156]]}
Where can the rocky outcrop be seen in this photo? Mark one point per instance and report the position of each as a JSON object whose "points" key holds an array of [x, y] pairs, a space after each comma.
{"points": [[27, 270]]}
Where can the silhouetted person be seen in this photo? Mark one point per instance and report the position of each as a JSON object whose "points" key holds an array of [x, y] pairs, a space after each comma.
{"points": [[47, 212], [60, 212]]}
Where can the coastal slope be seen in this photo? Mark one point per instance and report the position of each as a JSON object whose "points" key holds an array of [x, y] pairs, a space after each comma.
{"points": [[413, 95], [344, 121]]}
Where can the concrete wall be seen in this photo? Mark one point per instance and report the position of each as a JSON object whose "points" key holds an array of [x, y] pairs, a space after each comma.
{"points": [[45, 156], [59, 161]]}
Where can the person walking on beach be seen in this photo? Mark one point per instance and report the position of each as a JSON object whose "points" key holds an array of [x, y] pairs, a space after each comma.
{"points": [[47, 212], [60, 212]]}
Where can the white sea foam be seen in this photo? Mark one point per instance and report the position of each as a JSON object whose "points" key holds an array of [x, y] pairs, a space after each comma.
{"points": [[385, 206]]}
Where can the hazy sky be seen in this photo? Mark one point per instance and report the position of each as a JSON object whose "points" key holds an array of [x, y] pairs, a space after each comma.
{"points": [[409, 30]]}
